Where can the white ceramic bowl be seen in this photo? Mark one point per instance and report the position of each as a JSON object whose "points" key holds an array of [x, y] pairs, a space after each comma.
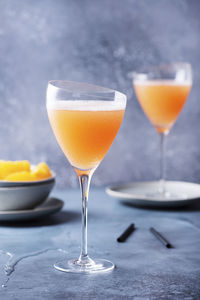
{"points": [[24, 195]]}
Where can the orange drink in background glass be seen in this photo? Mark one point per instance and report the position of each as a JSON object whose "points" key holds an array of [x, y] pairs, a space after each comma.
{"points": [[85, 120], [162, 91], [162, 101]]}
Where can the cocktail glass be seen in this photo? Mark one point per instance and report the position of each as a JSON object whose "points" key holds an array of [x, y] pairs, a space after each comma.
{"points": [[162, 91], [85, 120]]}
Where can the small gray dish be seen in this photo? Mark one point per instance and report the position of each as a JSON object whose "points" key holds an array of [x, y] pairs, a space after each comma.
{"points": [[24, 195]]}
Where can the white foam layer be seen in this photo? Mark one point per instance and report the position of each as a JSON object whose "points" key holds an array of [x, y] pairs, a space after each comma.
{"points": [[162, 82], [86, 105]]}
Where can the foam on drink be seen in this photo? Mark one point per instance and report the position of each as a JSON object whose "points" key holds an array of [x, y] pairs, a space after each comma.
{"points": [[86, 105]]}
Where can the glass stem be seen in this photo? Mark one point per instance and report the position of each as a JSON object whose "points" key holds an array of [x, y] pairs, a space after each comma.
{"points": [[162, 162], [84, 184]]}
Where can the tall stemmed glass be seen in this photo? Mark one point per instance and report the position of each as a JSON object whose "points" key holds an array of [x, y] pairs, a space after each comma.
{"points": [[85, 120], [162, 91]]}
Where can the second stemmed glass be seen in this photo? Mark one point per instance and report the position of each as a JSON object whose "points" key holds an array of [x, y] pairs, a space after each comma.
{"points": [[85, 120], [162, 91]]}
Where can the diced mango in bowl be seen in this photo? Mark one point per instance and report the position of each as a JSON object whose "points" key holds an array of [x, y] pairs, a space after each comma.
{"points": [[23, 171], [9, 167]]}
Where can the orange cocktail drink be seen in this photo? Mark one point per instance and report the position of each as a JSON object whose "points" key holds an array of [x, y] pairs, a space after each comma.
{"points": [[162, 101], [85, 131]]}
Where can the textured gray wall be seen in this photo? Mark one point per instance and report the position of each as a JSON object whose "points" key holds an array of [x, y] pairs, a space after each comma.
{"points": [[99, 42]]}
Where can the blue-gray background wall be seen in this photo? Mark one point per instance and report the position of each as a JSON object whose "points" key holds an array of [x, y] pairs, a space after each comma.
{"points": [[101, 42]]}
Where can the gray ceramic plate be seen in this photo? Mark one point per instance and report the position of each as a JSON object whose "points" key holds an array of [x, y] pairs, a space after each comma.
{"points": [[50, 206], [140, 193]]}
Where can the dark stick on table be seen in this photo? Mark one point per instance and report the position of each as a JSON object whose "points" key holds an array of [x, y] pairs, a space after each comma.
{"points": [[161, 238], [126, 233]]}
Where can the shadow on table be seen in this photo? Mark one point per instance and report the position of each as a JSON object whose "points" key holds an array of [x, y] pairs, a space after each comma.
{"points": [[59, 218], [194, 206]]}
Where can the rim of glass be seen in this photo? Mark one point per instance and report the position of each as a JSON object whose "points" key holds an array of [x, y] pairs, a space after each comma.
{"points": [[165, 67], [85, 88]]}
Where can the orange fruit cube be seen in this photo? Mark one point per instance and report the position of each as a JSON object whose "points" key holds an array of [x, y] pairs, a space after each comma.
{"points": [[42, 171]]}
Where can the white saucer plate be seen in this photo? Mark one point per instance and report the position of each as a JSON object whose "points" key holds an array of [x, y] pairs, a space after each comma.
{"points": [[139, 193], [50, 206]]}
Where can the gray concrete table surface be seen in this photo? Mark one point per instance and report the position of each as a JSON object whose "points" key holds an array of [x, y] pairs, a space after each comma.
{"points": [[145, 269]]}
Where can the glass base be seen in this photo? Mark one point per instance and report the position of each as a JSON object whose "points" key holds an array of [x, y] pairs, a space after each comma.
{"points": [[163, 190], [88, 266], [165, 195]]}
